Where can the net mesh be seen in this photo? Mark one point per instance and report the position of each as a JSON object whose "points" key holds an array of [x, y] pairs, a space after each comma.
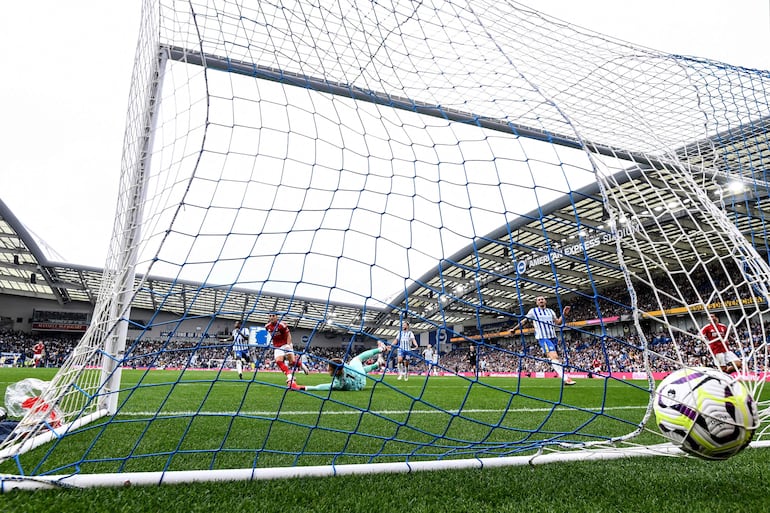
{"points": [[353, 165]]}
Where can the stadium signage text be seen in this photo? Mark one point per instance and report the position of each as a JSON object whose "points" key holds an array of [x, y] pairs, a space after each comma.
{"points": [[713, 306], [528, 262], [58, 326]]}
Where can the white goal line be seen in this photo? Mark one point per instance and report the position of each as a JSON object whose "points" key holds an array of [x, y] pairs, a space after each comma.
{"points": [[355, 411]]}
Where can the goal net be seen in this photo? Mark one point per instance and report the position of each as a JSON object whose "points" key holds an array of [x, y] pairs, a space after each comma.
{"points": [[351, 166]]}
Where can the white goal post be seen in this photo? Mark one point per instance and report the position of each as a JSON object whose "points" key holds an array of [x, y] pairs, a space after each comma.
{"points": [[351, 165]]}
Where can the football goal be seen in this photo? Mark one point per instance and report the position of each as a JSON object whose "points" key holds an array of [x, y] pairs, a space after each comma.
{"points": [[349, 167]]}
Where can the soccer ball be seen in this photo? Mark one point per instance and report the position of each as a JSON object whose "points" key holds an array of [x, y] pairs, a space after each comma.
{"points": [[705, 412]]}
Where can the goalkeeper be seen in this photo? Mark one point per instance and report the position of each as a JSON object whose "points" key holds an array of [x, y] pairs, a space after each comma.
{"points": [[347, 376]]}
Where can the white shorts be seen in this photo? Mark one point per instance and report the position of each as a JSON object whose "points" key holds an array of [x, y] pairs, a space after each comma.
{"points": [[282, 351], [726, 358]]}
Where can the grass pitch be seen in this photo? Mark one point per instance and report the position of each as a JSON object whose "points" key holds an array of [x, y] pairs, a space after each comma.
{"points": [[170, 420], [201, 419]]}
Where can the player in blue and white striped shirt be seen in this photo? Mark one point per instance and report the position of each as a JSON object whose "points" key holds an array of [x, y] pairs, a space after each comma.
{"points": [[546, 321], [406, 343], [240, 339]]}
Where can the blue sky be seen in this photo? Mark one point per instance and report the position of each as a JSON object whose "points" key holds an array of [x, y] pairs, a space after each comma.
{"points": [[68, 67]]}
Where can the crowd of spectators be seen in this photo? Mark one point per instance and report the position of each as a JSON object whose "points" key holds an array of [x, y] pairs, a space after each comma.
{"points": [[501, 355], [16, 348], [613, 302], [623, 353], [580, 349]]}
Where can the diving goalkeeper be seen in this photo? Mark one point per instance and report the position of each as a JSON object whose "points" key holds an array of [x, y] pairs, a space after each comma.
{"points": [[347, 376]]}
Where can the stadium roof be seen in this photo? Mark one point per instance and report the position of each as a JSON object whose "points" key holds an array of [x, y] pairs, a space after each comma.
{"points": [[479, 278]]}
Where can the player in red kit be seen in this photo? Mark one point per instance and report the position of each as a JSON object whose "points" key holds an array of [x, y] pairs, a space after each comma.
{"points": [[716, 337], [280, 336], [38, 353]]}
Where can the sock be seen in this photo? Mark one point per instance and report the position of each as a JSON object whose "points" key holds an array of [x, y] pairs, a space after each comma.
{"points": [[557, 367], [282, 365], [239, 366]]}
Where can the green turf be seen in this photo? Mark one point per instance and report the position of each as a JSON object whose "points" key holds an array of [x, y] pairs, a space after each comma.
{"points": [[170, 420], [657, 484], [180, 421]]}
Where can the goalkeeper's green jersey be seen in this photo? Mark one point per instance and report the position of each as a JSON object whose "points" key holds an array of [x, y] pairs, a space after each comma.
{"points": [[353, 375], [353, 378]]}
